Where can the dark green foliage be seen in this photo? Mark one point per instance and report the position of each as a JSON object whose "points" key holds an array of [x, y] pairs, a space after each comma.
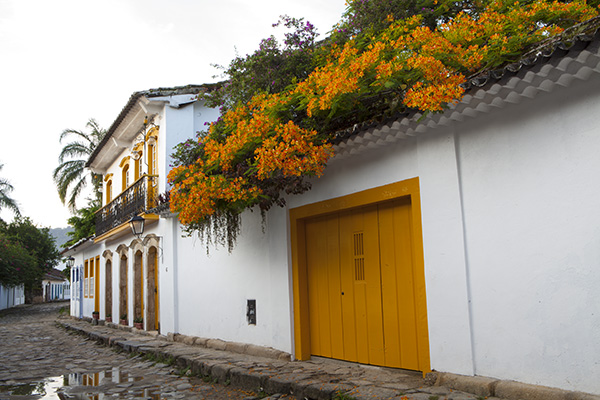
{"points": [[26, 253], [271, 68], [17, 264], [83, 223]]}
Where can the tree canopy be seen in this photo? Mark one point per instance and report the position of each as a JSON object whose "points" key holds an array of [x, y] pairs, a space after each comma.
{"points": [[26, 253], [83, 223]]}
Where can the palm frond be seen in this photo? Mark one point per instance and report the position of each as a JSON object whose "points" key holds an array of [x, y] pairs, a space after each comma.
{"points": [[5, 200], [66, 174], [70, 176], [74, 149]]}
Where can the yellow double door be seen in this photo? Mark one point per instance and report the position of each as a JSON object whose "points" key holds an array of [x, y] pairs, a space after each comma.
{"points": [[361, 286]]}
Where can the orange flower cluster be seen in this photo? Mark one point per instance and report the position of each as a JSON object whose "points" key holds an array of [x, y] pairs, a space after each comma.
{"points": [[260, 142], [424, 66], [338, 77], [198, 194], [430, 64], [292, 151]]}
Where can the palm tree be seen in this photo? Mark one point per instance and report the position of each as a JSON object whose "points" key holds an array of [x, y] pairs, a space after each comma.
{"points": [[5, 200], [70, 176]]}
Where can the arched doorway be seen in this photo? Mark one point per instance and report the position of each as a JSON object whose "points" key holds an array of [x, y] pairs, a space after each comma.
{"points": [[123, 287], [108, 289], [152, 312], [138, 288]]}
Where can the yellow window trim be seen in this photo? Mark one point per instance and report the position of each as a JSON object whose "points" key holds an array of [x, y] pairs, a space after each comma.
{"points": [[138, 146], [152, 132], [409, 187], [107, 177], [124, 161]]}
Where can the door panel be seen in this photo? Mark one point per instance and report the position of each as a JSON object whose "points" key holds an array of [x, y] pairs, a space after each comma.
{"points": [[398, 295], [323, 278], [361, 282], [361, 285]]}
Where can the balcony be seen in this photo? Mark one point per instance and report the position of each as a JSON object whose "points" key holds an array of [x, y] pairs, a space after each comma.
{"points": [[136, 199]]}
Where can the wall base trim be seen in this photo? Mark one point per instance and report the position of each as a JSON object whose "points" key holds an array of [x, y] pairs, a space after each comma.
{"points": [[234, 347], [505, 389]]}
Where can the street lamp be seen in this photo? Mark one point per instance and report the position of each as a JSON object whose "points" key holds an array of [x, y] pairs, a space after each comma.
{"points": [[70, 262], [137, 226]]}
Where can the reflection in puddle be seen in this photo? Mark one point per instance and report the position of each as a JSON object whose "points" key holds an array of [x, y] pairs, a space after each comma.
{"points": [[99, 378], [93, 386], [45, 389], [110, 384]]}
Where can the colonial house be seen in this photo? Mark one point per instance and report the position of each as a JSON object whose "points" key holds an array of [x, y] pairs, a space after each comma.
{"points": [[466, 241], [55, 286]]}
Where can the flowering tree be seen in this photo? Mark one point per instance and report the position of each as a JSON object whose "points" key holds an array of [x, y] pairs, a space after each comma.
{"points": [[271, 138]]}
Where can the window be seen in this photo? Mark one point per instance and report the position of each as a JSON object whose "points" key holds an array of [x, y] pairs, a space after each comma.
{"points": [[86, 271], [108, 188], [90, 270], [124, 173], [138, 168], [152, 159], [91, 279], [108, 191], [138, 160], [125, 176], [152, 140]]}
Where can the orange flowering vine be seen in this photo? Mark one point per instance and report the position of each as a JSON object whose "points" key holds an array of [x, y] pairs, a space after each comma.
{"points": [[268, 146]]}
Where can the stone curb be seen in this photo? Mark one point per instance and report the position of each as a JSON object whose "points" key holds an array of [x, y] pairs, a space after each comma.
{"points": [[219, 372], [510, 390], [176, 349]]}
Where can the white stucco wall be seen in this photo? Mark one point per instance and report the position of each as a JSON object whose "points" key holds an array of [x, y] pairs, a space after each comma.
{"points": [[510, 233], [11, 296], [529, 182], [212, 290], [511, 236]]}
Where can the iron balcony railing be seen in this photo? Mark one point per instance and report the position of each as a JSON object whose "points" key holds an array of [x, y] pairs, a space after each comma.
{"points": [[137, 198]]}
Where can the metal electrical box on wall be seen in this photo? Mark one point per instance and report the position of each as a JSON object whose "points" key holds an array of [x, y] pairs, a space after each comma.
{"points": [[251, 312]]}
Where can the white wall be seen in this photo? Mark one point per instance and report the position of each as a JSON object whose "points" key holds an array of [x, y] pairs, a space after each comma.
{"points": [[511, 244], [511, 233], [11, 296], [530, 191], [213, 289]]}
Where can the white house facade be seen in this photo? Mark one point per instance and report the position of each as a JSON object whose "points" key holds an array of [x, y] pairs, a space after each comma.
{"points": [[11, 296], [464, 242], [55, 286]]}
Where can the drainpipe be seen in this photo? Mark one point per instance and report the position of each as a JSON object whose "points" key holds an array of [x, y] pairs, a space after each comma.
{"points": [[175, 268]]}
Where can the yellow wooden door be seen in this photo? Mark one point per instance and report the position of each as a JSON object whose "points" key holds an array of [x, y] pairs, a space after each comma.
{"points": [[361, 286], [398, 285], [325, 307], [97, 284]]}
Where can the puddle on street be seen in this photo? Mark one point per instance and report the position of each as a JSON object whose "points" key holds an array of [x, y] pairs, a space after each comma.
{"points": [[111, 384], [45, 389]]}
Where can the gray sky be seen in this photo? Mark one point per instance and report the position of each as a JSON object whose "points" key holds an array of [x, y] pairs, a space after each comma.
{"points": [[66, 61]]}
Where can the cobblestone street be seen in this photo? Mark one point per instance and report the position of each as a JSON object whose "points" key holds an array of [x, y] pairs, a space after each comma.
{"points": [[40, 360]]}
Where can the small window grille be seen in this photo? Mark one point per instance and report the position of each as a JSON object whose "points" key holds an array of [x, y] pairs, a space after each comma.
{"points": [[359, 259]]}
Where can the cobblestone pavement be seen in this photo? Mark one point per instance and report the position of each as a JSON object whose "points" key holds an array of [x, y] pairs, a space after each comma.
{"points": [[83, 361], [40, 360], [316, 379]]}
